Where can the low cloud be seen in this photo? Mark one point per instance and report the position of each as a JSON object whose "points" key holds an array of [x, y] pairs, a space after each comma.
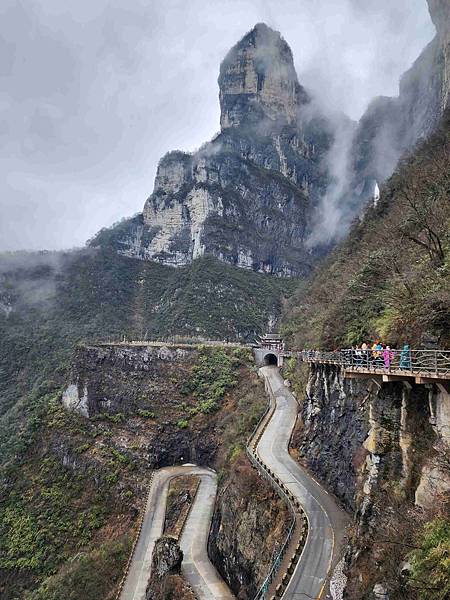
{"points": [[94, 93], [333, 215]]}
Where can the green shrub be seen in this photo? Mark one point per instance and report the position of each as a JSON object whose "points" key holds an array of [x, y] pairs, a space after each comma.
{"points": [[235, 452], [112, 478], [118, 457], [430, 574], [147, 414], [23, 546], [90, 575], [214, 373]]}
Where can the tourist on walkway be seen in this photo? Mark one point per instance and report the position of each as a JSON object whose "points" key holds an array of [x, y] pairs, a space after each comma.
{"points": [[358, 356], [377, 353], [405, 357], [365, 353], [388, 355], [380, 349], [374, 354]]}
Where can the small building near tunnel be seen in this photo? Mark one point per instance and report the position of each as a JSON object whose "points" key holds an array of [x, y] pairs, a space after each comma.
{"points": [[269, 350]]}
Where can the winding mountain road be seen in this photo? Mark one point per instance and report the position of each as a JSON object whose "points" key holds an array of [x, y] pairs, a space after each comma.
{"points": [[196, 567], [326, 521]]}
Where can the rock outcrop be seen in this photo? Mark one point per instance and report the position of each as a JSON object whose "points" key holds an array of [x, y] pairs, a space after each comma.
{"points": [[167, 557], [166, 582], [246, 196], [258, 81], [138, 373]]}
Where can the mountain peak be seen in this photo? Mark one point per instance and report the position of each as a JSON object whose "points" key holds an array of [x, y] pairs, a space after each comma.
{"points": [[257, 80]]}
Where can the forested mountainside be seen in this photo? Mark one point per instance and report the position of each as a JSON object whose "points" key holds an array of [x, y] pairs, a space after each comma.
{"points": [[50, 475], [391, 277], [50, 302]]}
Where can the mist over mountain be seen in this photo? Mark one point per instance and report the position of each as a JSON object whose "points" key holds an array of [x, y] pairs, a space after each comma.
{"points": [[244, 197], [284, 178], [81, 139]]}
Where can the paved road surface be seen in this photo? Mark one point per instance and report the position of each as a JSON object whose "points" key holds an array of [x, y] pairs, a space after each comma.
{"points": [[326, 519], [197, 568]]}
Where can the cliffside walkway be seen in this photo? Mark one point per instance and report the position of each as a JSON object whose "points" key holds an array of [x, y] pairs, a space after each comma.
{"points": [[196, 567], [416, 366], [409, 365], [307, 576]]}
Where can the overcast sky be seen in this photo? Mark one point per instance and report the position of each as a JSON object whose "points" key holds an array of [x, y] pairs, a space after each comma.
{"points": [[94, 92]]}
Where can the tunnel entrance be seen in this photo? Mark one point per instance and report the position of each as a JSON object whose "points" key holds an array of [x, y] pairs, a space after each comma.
{"points": [[271, 359]]}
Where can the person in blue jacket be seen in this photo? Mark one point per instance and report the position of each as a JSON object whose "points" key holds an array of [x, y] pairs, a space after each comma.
{"points": [[405, 357]]}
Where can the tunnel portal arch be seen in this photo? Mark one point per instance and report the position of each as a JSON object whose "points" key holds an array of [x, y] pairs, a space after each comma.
{"points": [[270, 359]]}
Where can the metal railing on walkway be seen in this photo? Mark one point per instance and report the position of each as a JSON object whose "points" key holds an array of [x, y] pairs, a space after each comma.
{"points": [[426, 363]]}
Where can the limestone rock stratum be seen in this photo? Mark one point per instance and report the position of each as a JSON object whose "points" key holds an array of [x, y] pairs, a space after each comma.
{"points": [[267, 193], [246, 196], [258, 80]]}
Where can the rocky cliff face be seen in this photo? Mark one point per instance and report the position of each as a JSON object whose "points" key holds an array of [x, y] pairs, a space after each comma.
{"points": [[355, 433], [392, 126], [201, 212], [246, 196], [90, 392], [440, 14], [332, 430], [123, 384], [250, 522], [382, 450], [257, 80], [256, 196]]}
